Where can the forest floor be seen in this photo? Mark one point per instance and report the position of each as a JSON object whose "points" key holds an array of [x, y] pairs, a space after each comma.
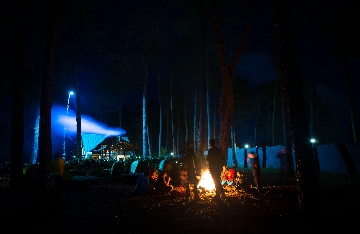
{"points": [[95, 205]]}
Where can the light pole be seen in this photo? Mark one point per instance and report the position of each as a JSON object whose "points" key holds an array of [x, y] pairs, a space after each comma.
{"points": [[245, 155], [67, 113], [315, 154]]}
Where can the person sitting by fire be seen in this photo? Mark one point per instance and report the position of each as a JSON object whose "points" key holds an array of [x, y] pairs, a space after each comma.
{"points": [[142, 186], [153, 178], [162, 184], [227, 176], [238, 180]]}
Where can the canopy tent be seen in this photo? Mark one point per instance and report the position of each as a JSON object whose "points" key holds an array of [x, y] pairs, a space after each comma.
{"points": [[91, 140]]}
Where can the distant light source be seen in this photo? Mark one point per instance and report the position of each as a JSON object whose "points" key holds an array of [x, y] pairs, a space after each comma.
{"points": [[172, 153], [246, 146], [312, 140], [67, 113]]}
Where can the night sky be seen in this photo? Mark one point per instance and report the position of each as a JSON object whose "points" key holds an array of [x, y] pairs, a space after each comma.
{"points": [[115, 20]]}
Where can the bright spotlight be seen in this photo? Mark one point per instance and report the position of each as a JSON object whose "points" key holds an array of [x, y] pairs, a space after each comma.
{"points": [[312, 140], [246, 146], [71, 92]]}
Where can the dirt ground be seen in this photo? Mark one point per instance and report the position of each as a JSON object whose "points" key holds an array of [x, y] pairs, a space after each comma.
{"points": [[93, 205]]}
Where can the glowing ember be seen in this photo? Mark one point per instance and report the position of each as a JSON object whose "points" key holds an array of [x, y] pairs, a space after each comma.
{"points": [[206, 181]]}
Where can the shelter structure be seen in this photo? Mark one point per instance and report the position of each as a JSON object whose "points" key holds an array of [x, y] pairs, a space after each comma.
{"points": [[114, 147]]}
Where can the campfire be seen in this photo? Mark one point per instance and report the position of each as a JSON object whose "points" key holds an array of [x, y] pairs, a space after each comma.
{"points": [[206, 182]]}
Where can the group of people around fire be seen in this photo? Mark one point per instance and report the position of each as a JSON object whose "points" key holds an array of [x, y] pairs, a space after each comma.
{"points": [[159, 182]]}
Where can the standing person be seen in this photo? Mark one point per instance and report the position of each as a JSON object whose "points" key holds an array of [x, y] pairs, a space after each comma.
{"points": [[254, 163], [216, 162], [190, 166], [284, 166], [58, 171]]}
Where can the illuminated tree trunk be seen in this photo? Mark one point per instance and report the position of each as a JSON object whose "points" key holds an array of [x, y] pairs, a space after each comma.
{"points": [[144, 99], [149, 142], [226, 111]]}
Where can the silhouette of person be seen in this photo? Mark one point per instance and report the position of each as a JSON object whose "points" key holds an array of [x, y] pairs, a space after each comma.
{"points": [[253, 161], [162, 184], [189, 161], [216, 162], [58, 171], [284, 166], [153, 178], [143, 184], [59, 165]]}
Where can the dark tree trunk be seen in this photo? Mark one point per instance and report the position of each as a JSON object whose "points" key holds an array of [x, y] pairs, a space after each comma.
{"points": [[286, 122], [307, 178], [263, 164], [78, 152], [274, 112], [18, 102], [45, 144], [286, 130], [172, 108], [313, 93], [160, 113], [353, 120], [203, 83]]}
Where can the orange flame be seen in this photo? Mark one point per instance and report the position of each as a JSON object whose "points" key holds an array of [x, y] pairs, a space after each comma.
{"points": [[206, 181]]}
